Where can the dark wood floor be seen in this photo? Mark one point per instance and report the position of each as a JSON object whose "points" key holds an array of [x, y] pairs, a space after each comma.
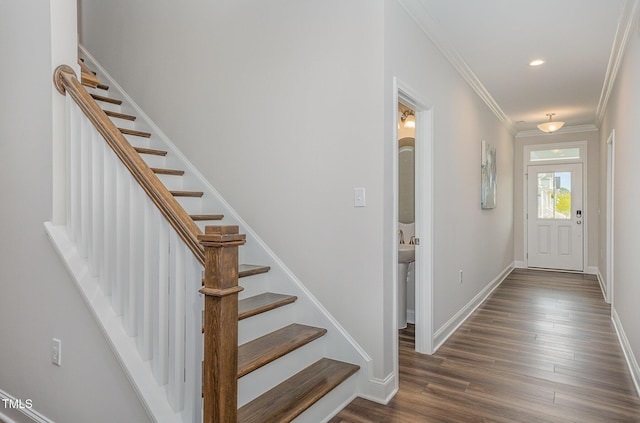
{"points": [[542, 348]]}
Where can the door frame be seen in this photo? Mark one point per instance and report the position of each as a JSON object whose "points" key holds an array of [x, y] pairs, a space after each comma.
{"points": [[586, 218], [424, 216], [555, 261], [609, 224]]}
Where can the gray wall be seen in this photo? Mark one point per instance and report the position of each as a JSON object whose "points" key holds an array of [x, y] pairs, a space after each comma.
{"points": [[622, 116], [38, 301]]}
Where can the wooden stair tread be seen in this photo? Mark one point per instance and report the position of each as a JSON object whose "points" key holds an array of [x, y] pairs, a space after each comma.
{"points": [[261, 351], [160, 171], [103, 87], [143, 150], [87, 77], [262, 303], [292, 397], [200, 217], [187, 193], [119, 115], [135, 133], [106, 99], [245, 270]]}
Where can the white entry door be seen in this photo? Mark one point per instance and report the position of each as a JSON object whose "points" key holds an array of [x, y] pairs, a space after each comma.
{"points": [[555, 217]]}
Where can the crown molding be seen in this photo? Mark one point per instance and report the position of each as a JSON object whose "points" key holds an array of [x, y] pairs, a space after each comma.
{"points": [[564, 130], [628, 17], [432, 29]]}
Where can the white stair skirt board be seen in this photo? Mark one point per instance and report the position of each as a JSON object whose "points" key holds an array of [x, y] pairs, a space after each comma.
{"points": [[23, 408], [459, 318]]}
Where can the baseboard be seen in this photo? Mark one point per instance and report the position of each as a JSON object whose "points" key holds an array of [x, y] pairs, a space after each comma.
{"points": [[626, 349], [519, 264], [380, 390], [411, 316], [24, 408], [603, 287], [459, 318], [592, 270]]}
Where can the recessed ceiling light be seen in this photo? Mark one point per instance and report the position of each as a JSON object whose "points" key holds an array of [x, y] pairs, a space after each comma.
{"points": [[537, 62]]}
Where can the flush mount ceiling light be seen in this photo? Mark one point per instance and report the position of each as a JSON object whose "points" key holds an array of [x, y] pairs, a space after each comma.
{"points": [[408, 119], [550, 126], [537, 62]]}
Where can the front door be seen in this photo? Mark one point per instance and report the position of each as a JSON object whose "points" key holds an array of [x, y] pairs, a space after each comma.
{"points": [[555, 217]]}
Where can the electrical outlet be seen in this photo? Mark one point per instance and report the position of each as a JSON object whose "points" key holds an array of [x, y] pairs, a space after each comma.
{"points": [[56, 352], [460, 276]]}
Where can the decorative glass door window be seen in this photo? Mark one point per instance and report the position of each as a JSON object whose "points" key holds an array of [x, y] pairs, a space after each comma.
{"points": [[554, 195]]}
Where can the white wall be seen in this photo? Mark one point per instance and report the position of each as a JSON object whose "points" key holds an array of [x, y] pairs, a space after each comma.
{"points": [[479, 242], [622, 115], [38, 300], [286, 107], [592, 196]]}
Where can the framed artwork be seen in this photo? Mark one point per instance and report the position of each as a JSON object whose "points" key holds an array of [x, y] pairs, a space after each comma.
{"points": [[488, 165]]}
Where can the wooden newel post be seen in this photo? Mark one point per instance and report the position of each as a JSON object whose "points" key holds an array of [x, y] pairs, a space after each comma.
{"points": [[220, 367]]}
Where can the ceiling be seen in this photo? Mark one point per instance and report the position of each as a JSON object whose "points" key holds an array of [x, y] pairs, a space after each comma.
{"points": [[491, 43]]}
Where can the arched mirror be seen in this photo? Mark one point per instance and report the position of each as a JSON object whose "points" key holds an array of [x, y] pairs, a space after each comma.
{"points": [[406, 180]]}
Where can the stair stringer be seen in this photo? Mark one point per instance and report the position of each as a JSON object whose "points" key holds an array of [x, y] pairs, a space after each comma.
{"points": [[337, 343]]}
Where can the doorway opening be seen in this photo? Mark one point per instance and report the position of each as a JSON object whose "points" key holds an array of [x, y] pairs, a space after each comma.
{"points": [[417, 235], [556, 219]]}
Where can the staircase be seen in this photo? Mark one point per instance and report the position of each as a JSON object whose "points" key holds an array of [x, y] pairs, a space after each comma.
{"points": [[291, 355]]}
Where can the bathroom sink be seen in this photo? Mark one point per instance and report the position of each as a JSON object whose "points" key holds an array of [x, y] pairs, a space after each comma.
{"points": [[406, 253]]}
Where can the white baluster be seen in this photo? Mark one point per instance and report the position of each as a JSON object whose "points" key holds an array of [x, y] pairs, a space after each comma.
{"points": [[161, 307], [110, 211], [73, 208], [136, 257], [193, 341], [85, 185], [97, 203], [150, 280], [121, 286], [176, 323]]}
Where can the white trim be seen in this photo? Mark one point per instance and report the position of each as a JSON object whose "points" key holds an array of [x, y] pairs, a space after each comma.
{"points": [[601, 282], [465, 312], [30, 413], [381, 390], [519, 264], [140, 376], [424, 225], [628, 18], [592, 270], [575, 129], [610, 216], [626, 349]]}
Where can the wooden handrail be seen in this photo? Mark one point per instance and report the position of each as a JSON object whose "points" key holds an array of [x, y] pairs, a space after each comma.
{"points": [[220, 367], [66, 82]]}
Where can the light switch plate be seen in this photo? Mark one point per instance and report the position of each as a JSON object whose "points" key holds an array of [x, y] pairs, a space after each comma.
{"points": [[358, 197]]}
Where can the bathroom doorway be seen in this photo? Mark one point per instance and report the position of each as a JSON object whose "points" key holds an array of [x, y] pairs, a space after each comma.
{"points": [[413, 159], [406, 215]]}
